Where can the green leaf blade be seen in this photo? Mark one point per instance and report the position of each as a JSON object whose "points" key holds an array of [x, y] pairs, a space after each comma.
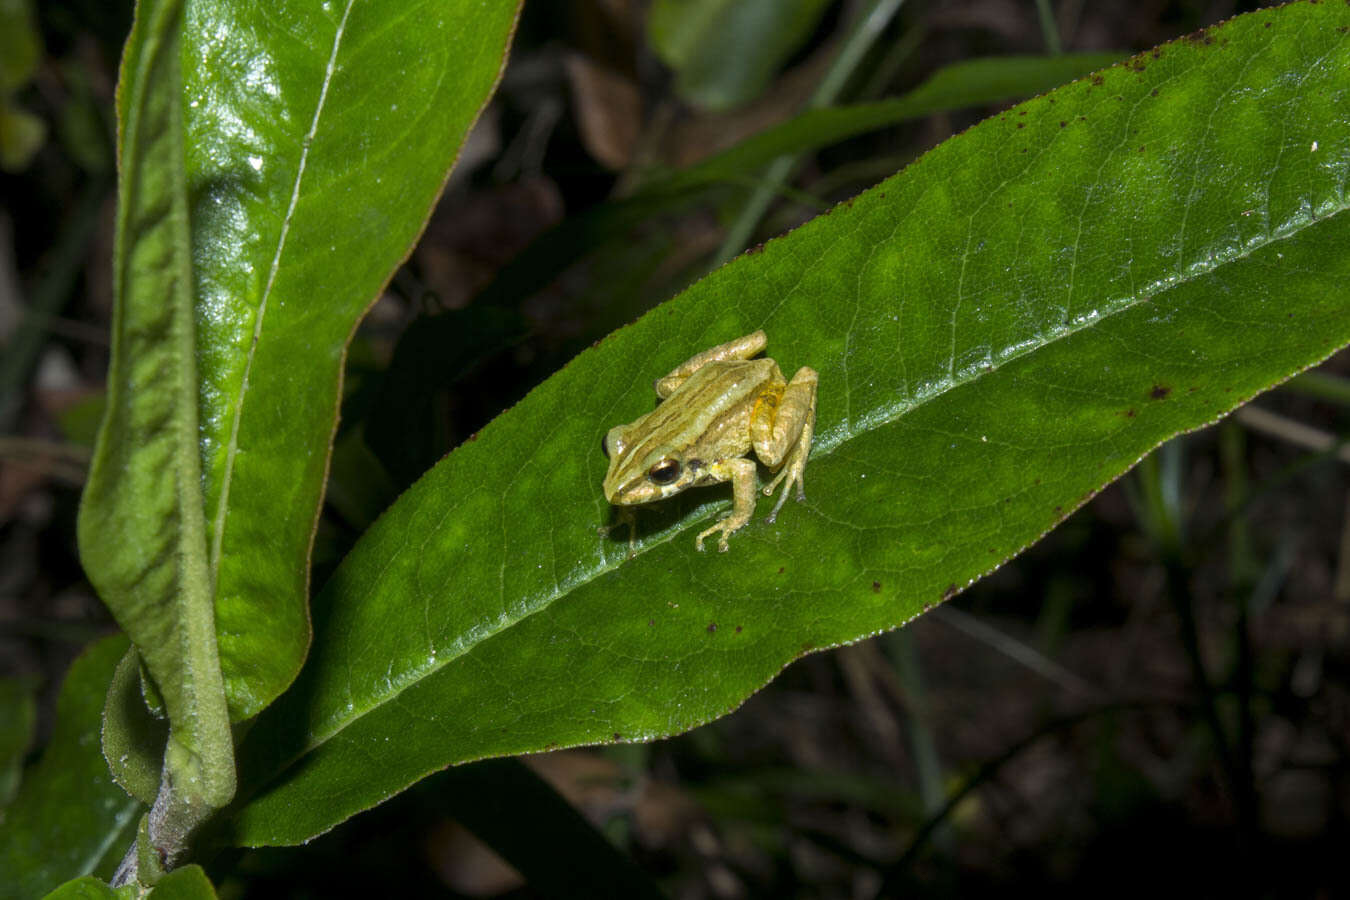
{"points": [[321, 136], [1000, 330], [69, 818]]}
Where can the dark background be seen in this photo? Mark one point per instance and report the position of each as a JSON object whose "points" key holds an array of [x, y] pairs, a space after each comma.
{"points": [[1153, 699]]}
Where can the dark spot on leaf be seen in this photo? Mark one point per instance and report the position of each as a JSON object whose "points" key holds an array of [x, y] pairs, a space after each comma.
{"points": [[651, 623], [1153, 93], [1098, 80], [1159, 392], [808, 646], [1199, 37], [1130, 414], [1022, 113], [1267, 24], [1137, 64], [712, 627], [1038, 481], [738, 629], [882, 195], [876, 587], [1141, 148], [949, 593], [1021, 124], [595, 343], [474, 436], [1157, 53], [1059, 509], [1063, 124], [758, 248], [617, 736], [1082, 118], [1192, 389], [780, 569]]}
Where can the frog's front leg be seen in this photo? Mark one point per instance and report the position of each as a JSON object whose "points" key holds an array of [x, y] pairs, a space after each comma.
{"points": [[782, 425], [741, 474], [741, 348]]}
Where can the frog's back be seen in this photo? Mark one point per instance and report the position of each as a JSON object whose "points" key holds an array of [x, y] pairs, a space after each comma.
{"points": [[715, 405]]}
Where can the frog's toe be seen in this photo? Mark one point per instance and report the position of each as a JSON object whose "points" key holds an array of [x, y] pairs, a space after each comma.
{"points": [[723, 528]]}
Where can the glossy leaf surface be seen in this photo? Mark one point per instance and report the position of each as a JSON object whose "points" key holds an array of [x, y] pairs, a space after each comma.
{"points": [[69, 818], [320, 135], [1000, 330]]}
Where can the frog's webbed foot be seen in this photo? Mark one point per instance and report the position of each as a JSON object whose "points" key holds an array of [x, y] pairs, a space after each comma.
{"points": [[725, 526]]}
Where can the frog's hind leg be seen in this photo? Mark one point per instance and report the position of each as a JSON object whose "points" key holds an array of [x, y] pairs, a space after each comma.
{"points": [[741, 348], [781, 429]]}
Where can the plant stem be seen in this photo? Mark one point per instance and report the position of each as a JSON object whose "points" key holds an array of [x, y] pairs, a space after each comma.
{"points": [[1049, 30]]}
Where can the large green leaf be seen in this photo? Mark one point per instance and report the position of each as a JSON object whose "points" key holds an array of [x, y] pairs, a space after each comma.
{"points": [[1000, 330], [319, 135], [69, 818], [142, 530]]}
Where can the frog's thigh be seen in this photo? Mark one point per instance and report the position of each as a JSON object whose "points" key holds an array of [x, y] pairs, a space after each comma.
{"points": [[780, 419], [741, 348]]}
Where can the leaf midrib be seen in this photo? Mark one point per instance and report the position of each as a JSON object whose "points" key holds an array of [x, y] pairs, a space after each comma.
{"points": [[232, 445]]}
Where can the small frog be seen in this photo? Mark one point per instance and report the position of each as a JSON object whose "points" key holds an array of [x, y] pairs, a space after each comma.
{"points": [[717, 406]]}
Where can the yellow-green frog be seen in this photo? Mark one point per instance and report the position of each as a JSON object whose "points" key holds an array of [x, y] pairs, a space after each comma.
{"points": [[718, 406]]}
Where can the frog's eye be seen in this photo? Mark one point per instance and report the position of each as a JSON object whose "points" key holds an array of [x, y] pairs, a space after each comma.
{"points": [[664, 472]]}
